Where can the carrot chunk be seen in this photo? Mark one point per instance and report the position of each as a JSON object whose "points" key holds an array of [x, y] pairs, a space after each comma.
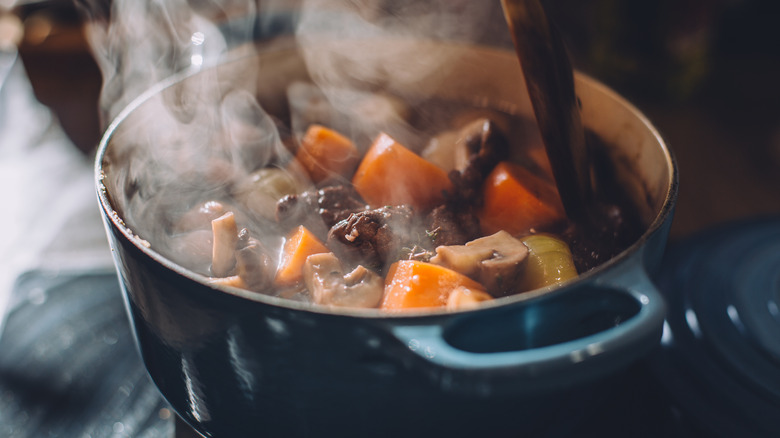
{"points": [[516, 201], [391, 174], [414, 284], [324, 153], [299, 245]]}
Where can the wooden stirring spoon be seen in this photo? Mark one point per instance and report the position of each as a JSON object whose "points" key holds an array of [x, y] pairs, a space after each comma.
{"points": [[549, 79]]}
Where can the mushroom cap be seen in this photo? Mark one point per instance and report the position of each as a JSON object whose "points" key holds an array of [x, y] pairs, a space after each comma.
{"points": [[324, 277], [496, 261]]}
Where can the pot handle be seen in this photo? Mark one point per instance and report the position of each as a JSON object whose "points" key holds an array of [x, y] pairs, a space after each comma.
{"points": [[552, 341]]}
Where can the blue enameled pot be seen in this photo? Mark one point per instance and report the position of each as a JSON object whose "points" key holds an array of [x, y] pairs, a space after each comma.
{"points": [[233, 363]]}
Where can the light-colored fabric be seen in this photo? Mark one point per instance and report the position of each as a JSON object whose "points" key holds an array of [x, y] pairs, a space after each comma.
{"points": [[49, 216]]}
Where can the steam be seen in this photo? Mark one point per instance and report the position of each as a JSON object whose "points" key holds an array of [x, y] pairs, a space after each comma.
{"points": [[139, 43], [354, 45], [198, 140], [345, 42]]}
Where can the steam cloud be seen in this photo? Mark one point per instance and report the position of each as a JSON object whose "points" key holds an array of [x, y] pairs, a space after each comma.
{"points": [[196, 141]]}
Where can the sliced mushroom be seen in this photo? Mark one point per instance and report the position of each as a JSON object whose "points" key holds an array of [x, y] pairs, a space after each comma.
{"points": [[496, 261], [199, 217], [324, 277], [445, 151], [253, 264], [463, 298], [480, 141], [487, 146], [478, 137], [223, 257]]}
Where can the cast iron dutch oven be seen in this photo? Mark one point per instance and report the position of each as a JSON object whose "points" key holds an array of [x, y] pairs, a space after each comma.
{"points": [[234, 363]]}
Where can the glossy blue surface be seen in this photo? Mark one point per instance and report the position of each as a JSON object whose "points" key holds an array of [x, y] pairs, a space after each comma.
{"points": [[231, 366], [720, 360]]}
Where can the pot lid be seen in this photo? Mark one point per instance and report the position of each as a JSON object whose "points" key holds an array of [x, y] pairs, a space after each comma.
{"points": [[720, 351], [69, 366]]}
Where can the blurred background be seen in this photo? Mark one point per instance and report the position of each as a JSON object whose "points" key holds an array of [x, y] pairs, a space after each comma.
{"points": [[705, 72]]}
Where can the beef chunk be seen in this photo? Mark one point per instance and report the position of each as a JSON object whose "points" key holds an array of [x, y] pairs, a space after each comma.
{"points": [[373, 237], [337, 203], [316, 208], [449, 226]]}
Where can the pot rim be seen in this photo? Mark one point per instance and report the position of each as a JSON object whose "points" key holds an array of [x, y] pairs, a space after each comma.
{"points": [[144, 246]]}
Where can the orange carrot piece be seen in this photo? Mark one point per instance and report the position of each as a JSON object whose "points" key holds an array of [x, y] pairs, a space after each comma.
{"points": [[516, 200], [413, 284], [324, 153], [299, 245], [391, 174]]}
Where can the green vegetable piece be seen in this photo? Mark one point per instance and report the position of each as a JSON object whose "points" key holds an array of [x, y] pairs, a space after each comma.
{"points": [[263, 188], [549, 262]]}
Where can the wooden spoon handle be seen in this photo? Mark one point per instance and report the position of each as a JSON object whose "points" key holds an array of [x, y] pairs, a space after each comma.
{"points": [[549, 79]]}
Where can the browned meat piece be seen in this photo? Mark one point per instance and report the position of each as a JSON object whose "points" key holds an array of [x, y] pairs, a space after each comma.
{"points": [[448, 226], [338, 202], [373, 236], [325, 206]]}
